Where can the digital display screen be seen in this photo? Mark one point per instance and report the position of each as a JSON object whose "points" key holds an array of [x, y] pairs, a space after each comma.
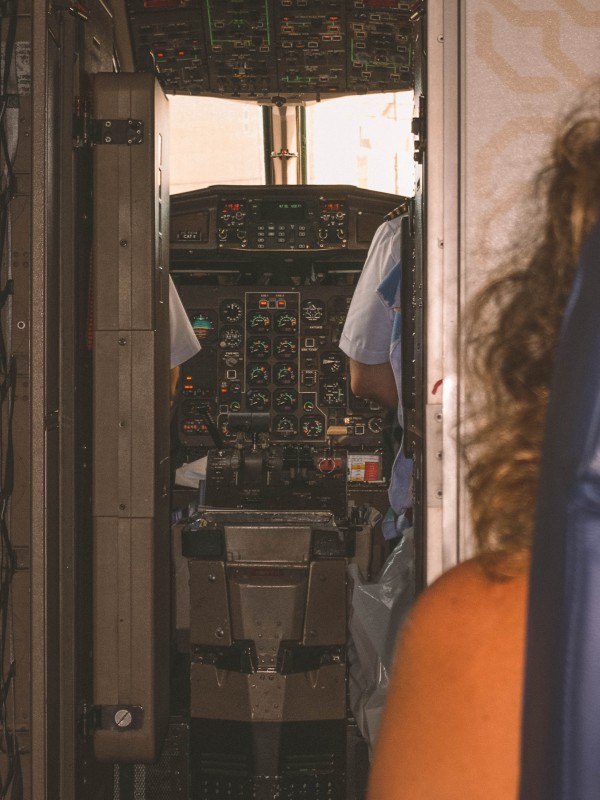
{"points": [[282, 211]]}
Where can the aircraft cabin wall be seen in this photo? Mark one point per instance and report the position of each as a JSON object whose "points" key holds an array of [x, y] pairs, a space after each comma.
{"points": [[494, 100]]}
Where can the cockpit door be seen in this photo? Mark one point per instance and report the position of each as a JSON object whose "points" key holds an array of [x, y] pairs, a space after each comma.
{"points": [[130, 417]]}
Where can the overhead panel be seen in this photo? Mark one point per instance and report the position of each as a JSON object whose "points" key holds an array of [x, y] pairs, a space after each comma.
{"points": [[274, 48]]}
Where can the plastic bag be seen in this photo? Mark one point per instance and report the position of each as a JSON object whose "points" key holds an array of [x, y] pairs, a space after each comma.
{"points": [[376, 613]]}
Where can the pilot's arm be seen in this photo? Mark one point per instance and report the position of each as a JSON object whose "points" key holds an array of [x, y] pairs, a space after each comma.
{"points": [[367, 331], [184, 343], [375, 382]]}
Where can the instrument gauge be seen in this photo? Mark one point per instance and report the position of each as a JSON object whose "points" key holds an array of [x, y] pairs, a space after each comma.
{"points": [[375, 424], [312, 427], [333, 393], [285, 374], [286, 347], [313, 311], [259, 347], [286, 322], [232, 311], [332, 362], [231, 337], [257, 400], [203, 326], [285, 426], [285, 399], [259, 322], [259, 374]]}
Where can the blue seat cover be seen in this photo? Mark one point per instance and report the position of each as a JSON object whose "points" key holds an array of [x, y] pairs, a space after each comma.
{"points": [[561, 715]]}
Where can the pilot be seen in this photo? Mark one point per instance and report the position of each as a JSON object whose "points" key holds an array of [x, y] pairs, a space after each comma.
{"points": [[184, 342], [371, 340]]}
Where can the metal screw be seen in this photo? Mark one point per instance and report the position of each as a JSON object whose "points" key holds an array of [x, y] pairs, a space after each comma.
{"points": [[123, 242], [107, 123], [219, 633], [123, 718], [107, 139], [212, 578], [21, 325], [122, 341]]}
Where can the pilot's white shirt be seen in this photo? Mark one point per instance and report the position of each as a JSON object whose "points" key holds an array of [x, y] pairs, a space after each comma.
{"points": [[368, 328], [184, 342]]}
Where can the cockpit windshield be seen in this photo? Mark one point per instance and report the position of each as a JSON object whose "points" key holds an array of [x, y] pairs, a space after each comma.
{"points": [[362, 140]]}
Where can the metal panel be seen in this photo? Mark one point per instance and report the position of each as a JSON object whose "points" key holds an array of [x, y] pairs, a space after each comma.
{"points": [[131, 365], [209, 616], [325, 620], [268, 696]]}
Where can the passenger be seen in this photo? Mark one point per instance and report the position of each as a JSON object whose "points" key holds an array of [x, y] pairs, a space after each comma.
{"points": [[371, 340], [451, 726], [184, 343]]}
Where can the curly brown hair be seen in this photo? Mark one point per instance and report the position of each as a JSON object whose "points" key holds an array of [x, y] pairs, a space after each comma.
{"points": [[512, 332]]}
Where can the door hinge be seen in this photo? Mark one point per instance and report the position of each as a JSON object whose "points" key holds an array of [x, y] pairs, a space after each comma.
{"points": [[88, 131], [117, 131]]}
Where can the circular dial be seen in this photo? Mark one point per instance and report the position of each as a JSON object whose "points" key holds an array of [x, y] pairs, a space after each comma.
{"points": [[285, 374], [257, 401], [333, 393], [332, 363], [259, 347], [259, 322], [258, 374], [285, 399], [308, 405], [285, 426], [231, 311], [203, 326], [313, 310], [231, 336], [375, 424], [286, 347], [312, 427], [286, 322]]}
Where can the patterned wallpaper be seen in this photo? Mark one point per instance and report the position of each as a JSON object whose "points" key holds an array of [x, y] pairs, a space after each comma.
{"points": [[526, 63]]}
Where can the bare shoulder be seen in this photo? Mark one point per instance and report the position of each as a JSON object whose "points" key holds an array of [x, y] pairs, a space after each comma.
{"points": [[466, 594], [450, 729]]}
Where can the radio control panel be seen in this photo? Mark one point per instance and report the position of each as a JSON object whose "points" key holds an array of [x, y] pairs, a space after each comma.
{"points": [[257, 224]]}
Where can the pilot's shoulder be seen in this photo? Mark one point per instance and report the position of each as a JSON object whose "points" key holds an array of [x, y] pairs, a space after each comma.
{"points": [[399, 211]]}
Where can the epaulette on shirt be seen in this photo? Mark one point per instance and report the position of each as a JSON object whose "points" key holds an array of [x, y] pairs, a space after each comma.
{"points": [[395, 212]]}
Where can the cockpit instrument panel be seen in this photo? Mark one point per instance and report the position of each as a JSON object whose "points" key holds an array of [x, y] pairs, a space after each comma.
{"points": [[266, 274], [274, 219], [261, 48], [272, 350]]}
